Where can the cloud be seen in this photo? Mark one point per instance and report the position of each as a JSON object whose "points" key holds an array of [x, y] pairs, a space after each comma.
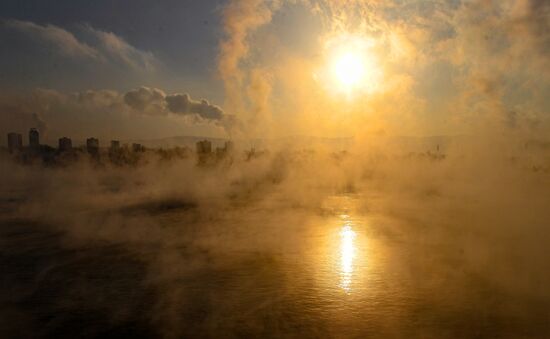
{"points": [[442, 47], [58, 39], [88, 42], [154, 101], [146, 99], [240, 18], [183, 104], [76, 58], [118, 50]]}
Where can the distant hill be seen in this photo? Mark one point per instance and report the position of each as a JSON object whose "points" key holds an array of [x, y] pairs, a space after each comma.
{"points": [[181, 141], [300, 141], [403, 144]]}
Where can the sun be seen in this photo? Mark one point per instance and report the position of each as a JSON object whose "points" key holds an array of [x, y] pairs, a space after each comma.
{"points": [[349, 70], [351, 66]]}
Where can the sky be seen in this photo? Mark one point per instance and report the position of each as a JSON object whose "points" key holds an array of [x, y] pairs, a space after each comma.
{"points": [[266, 69]]}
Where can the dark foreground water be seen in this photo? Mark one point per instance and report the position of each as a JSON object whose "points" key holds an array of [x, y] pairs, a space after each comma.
{"points": [[337, 271]]}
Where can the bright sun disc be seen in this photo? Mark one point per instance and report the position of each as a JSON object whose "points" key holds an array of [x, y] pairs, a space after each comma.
{"points": [[351, 65], [349, 69]]}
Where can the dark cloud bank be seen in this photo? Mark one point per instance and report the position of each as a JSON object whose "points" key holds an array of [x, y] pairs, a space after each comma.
{"points": [[146, 99]]}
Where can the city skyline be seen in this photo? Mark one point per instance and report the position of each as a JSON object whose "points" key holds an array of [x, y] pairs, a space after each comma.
{"points": [[92, 145]]}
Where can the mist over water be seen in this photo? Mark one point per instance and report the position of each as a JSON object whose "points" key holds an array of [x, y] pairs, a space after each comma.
{"points": [[294, 243]]}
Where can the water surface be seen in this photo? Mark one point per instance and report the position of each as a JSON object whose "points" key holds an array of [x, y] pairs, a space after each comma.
{"points": [[256, 270]]}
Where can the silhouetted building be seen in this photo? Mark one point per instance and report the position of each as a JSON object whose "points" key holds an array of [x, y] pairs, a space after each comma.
{"points": [[222, 152], [115, 145], [15, 142], [117, 153], [251, 154], [92, 145], [204, 152], [138, 147], [34, 138], [204, 147], [65, 144], [229, 146]]}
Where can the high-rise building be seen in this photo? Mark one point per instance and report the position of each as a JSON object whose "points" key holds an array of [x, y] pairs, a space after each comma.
{"points": [[204, 147], [229, 146], [220, 152], [115, 144], [138, 147], [65, 144], [92, 145], [15, 142], [34, 138]]}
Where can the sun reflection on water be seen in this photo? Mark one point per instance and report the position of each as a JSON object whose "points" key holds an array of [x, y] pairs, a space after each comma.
{"points": [[347, 254]]}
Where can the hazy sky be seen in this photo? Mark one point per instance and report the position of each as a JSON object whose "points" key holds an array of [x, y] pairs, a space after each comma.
{"points": [[178, 38], [139, 69]]}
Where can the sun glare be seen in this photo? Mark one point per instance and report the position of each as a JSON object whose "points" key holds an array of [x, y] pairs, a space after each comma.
{"points": [[351, 65], [349, 70]]}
